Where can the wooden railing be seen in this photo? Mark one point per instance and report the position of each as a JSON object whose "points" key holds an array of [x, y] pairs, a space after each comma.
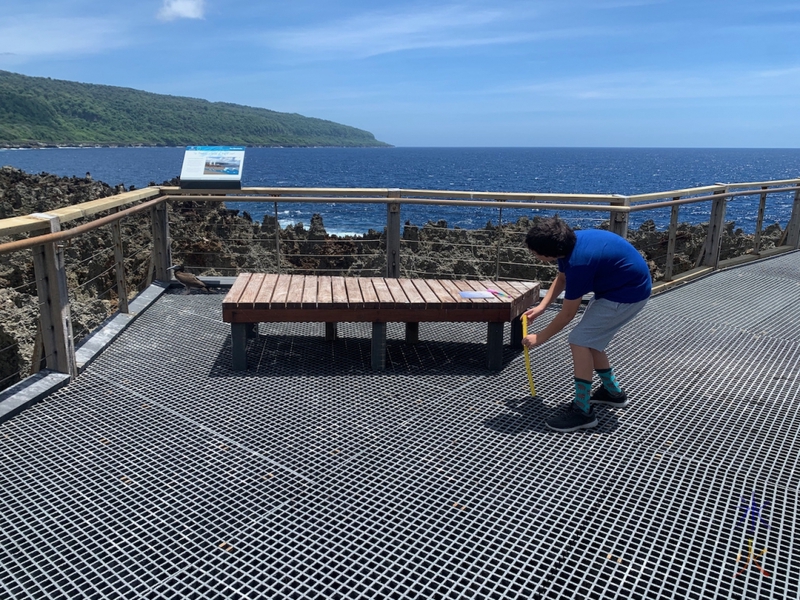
{"points": [[46, 237]]}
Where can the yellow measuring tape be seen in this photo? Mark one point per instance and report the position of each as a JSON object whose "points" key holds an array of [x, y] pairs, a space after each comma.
{"points": [[527, 356]]}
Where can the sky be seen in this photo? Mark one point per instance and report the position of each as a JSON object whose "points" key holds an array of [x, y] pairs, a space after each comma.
{"points": [[536, 73]]}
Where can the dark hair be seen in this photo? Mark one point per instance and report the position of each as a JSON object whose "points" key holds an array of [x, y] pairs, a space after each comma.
{"points": [[551, 237]]}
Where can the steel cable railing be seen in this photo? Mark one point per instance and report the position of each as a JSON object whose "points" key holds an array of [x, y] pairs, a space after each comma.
{"points": [[19, 309], [211, 239]]}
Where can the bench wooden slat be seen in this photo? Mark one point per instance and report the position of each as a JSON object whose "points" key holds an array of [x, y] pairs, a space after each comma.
{"points": [[251, 292], [415, 300], [281, 291], [385, 297], [528, 295], [237, 289], [324, 291], [459, 285], [491, 313], [441, 292], [309, 298], [264, 297], [294, 295], [518, 286], [397, 292], [430, 297], [502, 286], [339, 292], [499, 287], [455, 291], [354, 298], [368, 293], [452, 290], [480, 286]]}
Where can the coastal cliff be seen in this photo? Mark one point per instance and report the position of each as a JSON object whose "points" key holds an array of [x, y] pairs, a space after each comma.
{"points": [[39, 112], [215, 241]]}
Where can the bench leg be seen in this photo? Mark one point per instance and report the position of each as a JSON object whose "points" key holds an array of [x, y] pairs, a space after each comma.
{"points": [[494, 346], [331, 332], [412, 333], [239, 345], [378, 353], [516, 333], [252, 330]]}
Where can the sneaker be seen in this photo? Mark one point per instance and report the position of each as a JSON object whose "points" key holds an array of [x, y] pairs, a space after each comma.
{"points": [[572, 418], [602, 396]]}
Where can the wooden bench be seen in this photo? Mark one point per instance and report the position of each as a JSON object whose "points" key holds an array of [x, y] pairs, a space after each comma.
{"points": [[267, 298]]}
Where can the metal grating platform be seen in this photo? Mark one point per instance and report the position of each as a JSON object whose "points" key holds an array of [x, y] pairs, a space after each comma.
{"points": [[161, 473]]}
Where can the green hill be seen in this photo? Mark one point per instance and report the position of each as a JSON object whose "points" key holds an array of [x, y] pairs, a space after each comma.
{"points": [[39, 111]]}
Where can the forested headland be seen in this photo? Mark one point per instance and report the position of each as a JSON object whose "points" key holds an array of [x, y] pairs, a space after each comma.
{"points": [[39, 111]]}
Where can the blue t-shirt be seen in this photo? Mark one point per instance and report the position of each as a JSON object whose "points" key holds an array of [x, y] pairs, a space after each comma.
{"points": [[606, 264]]}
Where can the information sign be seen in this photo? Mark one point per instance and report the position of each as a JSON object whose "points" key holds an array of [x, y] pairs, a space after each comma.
{"points": [[212, 167]]}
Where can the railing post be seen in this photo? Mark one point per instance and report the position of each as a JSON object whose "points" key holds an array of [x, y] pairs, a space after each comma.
{"points": [[119, 266], [673, 235], [499, 240], [618, 222], [716, 222], [762, 207], [54, 314], [393, 235], [162, 257], [277, 240], [793, 229]]}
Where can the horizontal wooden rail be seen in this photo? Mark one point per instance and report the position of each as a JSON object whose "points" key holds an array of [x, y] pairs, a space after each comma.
{"points": [[706, 189], [763, 183], [376, 200], [394, 193], [363, 195], [694, 199], [637, 198], [70, 233], [65, 214], [469, 195]]}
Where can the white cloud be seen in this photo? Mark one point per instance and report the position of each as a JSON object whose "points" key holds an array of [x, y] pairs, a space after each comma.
{"points": [[23, 38], [390, 31], [654, 85], [792, 72], [182, 9]]}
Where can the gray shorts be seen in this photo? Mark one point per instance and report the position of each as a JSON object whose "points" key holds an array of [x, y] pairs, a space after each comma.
{"points": [[601, 320]]}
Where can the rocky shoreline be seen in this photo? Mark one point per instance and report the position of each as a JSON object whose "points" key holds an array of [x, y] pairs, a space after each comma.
{"points": [[214, 240], [44, 145]]}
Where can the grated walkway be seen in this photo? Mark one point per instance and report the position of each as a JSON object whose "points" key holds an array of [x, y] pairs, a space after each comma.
{"points": [[161, 473]]}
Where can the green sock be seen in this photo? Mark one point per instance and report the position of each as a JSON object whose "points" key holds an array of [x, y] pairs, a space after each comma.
{"points": [[609, 381], [583, 390]]}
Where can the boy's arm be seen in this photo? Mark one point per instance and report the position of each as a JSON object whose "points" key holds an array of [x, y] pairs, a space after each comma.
{"points": [[558, 286], [569, 309]]}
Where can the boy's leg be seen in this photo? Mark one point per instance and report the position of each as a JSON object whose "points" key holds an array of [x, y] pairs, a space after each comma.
{"points": [[579, 413], [582, 365], [610, 392], [599, 360], [582, 361], [601, 320]]}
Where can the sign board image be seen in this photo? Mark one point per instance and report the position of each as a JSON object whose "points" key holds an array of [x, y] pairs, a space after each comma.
{"points": [[212, 167]]}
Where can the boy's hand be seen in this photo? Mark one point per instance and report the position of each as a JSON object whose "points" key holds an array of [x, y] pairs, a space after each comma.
{"points": [[534, 312], [531, 340]]}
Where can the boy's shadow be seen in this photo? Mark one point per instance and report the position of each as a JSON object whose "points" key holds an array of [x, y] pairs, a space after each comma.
{"points": [[529, 413]]}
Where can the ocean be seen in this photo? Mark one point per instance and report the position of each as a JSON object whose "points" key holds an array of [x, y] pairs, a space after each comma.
{"points": [[544, 170]]}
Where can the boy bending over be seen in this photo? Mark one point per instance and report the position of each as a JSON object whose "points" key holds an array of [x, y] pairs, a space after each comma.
{"points": [[588, 261]]}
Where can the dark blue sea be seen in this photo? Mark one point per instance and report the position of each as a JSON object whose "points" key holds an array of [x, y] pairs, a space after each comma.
{"points": [[558, 170]]}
